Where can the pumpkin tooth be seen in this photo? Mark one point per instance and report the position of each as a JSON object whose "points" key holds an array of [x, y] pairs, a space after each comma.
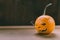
{"points": [[44, 30]]}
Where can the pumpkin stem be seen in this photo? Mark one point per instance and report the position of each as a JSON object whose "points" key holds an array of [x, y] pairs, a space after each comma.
{"points": [[46, 8], [32, 22]]}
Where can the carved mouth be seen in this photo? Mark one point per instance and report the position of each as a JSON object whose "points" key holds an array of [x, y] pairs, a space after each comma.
{"points": [[44, 30]]}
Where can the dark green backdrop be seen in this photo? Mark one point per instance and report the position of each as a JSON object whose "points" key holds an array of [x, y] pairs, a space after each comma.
{"points": [[22, 12]]}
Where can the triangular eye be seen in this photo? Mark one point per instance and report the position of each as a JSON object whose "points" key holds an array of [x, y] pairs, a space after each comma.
{"points": [[38, 27], [43, 24]]}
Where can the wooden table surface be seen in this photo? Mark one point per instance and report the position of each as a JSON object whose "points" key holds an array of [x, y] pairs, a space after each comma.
{"points": [[27, 34]]}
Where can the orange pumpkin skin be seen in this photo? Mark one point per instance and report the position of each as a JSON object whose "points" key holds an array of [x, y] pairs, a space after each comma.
{"points": [[45, 24]]}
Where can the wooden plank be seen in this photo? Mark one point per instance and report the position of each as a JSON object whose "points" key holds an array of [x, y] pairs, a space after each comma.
{"points": [[28, 34]]}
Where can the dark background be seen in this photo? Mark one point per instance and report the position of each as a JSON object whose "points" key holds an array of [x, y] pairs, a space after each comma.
{"points": [[22, 12]]}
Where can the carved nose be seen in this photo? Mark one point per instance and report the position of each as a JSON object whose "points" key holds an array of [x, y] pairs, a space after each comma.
{"points": [[43, 24], [38, 27]]}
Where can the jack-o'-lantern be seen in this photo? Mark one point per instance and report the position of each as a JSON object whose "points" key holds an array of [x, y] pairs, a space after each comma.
{"points": [[45, 24]]}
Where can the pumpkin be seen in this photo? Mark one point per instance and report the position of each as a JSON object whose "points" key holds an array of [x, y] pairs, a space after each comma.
{"points": [[45, 24]]}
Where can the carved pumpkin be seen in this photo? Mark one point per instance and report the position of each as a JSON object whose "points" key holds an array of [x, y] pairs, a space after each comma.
{"points": [[45, 24]]}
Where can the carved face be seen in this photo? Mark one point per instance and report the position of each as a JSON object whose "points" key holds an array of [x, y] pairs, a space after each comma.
{"points": [[44, 24]]}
